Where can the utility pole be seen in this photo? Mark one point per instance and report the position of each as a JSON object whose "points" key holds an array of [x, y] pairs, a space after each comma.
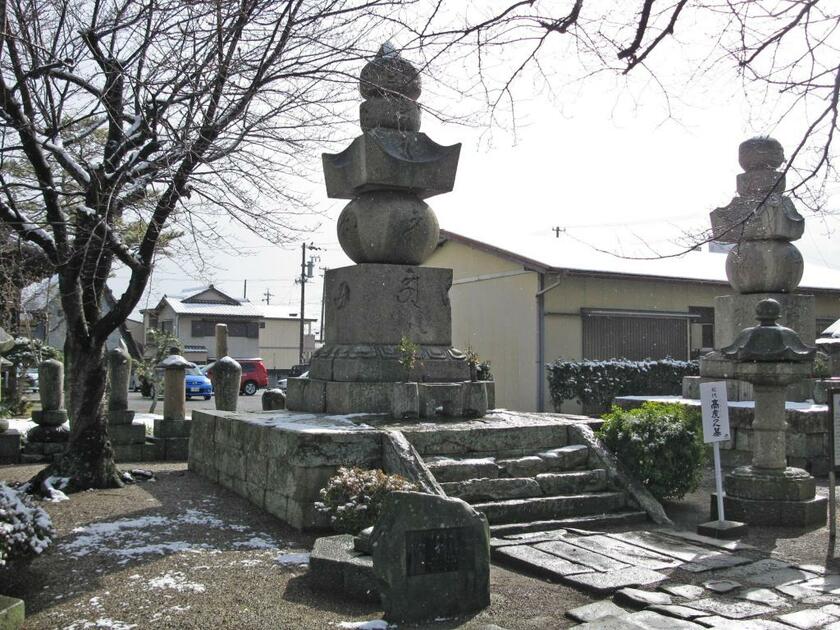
{"points": [[306, 273], [324, 271], [267, 296]]}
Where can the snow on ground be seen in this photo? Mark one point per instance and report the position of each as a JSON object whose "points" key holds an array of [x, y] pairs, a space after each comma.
{"points": [[24, 424], [292, 559], [175, 581], [373, 624], [310, 422], [128, 539], [104, 622]]}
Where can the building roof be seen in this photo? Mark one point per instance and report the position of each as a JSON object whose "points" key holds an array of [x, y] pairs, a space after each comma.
{"points": [[547, 253], [209, 301], [279, 311]]}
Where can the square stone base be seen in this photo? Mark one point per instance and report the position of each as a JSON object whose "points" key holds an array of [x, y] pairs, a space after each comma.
{"points": [[725, 530], [120, 416], [810, 513], [10, 446], [733, 313]]}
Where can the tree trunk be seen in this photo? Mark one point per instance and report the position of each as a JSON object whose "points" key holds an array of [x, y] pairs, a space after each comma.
{"points": [[89, 458]]}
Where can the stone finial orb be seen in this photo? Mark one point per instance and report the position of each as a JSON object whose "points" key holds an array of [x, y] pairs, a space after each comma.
{"points": [[760, 153], [388, 74]]}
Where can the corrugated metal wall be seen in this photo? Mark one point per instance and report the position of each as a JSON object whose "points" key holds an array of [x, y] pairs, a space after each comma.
{"points": [[634, 337]]}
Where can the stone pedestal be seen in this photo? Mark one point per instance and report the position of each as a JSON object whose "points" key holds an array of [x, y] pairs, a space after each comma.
{"points": [[48, 440], [10, 441], [227, 377], [733, 313]]}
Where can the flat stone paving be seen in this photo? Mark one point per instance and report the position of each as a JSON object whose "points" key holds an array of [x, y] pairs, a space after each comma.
{"points": [[670, 579]]}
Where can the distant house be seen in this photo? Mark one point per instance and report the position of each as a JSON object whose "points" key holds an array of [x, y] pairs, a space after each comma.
{"points": [[522, 302], [253, 330], [43, 316]]}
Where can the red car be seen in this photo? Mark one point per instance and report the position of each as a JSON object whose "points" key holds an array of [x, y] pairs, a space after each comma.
{"points": [[254, 376]]}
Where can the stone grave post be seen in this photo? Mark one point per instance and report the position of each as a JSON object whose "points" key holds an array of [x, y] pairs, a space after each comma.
{"points": [[227, 373], [764, 268], [127, 438], [172, 432], [431, 557], [9, 438], [49, 438]]}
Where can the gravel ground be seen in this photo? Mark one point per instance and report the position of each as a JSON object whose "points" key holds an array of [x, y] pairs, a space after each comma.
{"points": [[181, 552]]}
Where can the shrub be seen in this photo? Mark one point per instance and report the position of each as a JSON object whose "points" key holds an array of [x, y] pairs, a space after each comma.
{"points": [[353, 497], [597, 383], [25, 529], [660, 444]]}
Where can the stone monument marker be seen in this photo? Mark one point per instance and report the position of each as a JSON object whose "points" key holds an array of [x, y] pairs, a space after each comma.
{"points": [[227, 373], [127, 438], [431, 556], [764, 268], [49, 438], [173, 431], [386, 303]]}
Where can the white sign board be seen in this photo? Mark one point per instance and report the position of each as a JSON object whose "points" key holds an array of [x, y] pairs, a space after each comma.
{"points": [[836, 423], [715, 411]]}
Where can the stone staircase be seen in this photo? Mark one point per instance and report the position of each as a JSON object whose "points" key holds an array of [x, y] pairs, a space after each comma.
{"points": [[530, 483]]}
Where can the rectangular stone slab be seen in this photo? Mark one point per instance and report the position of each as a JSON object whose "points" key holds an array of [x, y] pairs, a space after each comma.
{"points": [[625, 552], [729, 609], [538, 561], [582, 556], [660, 544], [379, 304], [595, 610], [767, 572], [614, 580]]}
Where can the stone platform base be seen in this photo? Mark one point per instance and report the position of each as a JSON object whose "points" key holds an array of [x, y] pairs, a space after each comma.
{"points": [[464, 399], [802, 514], [12, 613], [336, 567]]}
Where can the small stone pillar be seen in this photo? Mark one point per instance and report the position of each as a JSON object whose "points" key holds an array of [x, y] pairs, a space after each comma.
{"points": [[49, 438], [273, 399], [127, 438], [172, 433], [227, 373]]}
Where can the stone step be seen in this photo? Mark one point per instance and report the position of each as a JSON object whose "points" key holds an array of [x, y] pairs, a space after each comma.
{"points": [[572, 457], [498, 432], [447, 469], [477, 490], [546, 484], [550, 508], [589, 522]]}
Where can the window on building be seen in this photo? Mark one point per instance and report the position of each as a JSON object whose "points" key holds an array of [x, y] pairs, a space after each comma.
{"points": [[166, 326], [823, 323], [704, 325], [634, 335]]}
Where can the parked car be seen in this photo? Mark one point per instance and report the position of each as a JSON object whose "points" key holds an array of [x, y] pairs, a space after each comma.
{"points": [[254, 375]]}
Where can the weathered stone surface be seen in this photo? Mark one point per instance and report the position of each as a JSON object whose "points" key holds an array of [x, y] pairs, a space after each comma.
{"points": [[677, 611], [807, 619], [405, 401], [663, 545], [722, 586], [120, 417], [354, 397], [535, 560], [765, 266], [400, 457], [641, 599], [127, 433], [10, 441], [787, 484], [686, 591], [822, 584], [475, 399], [773, 512], [610, 622], [448, 470], [733, 313], [595, 610], [579, 554], [389, 112], [650, 620], [306, 394], [614, 580], [51, 384], [572, 482], [382, 159], [431, 555], [731, 610], [119, 373], [763, 596], [626, 552], [768, 572], [49, 417], [336, 567], [493, 489], [379, 304], [172, 428], [227, 378], [273, 400], [544, 508]]}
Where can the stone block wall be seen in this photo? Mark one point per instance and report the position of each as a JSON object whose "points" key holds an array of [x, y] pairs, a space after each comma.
{"points": [[807, 437], [275, 468]]}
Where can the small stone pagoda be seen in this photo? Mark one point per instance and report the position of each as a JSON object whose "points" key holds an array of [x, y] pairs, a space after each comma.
{"points": [[388, 321], [764, 268]]}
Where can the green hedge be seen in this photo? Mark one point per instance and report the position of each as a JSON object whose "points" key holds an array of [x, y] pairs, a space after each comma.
{"points": [[596, 383], [660, 444]]}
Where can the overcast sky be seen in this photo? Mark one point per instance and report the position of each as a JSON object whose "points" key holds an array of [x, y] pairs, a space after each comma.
{"points": [[605, 160]]}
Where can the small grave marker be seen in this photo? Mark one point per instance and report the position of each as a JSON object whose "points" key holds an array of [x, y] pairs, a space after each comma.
{"points": [[431, 556]]}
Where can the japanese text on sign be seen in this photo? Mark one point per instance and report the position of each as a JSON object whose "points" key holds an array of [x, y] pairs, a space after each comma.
{"points": [[715, 411]]}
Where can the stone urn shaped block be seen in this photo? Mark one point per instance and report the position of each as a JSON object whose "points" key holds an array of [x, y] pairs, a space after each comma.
{"points": [[770, 357]]}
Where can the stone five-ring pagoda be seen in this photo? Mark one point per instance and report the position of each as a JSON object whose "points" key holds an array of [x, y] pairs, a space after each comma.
{"points": [[388, 321]]}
